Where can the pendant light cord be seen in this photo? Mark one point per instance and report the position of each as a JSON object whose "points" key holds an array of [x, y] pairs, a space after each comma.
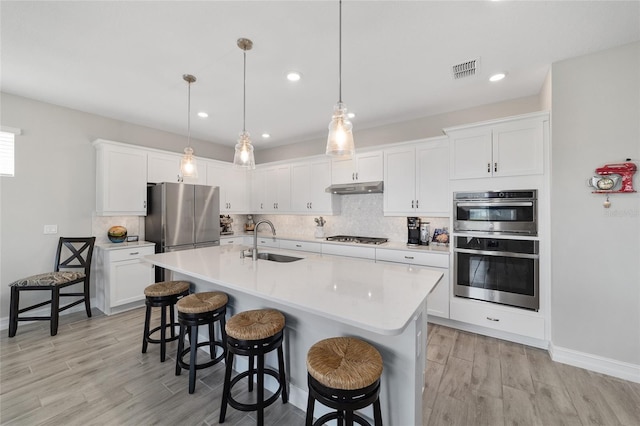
{"points": [[340, 54], [244, 93], [189, 116]]}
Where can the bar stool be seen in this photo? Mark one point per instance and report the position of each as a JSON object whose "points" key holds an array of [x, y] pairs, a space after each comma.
{"points": [[195, 310], [254, 334], [344, 374], [163, 294]]}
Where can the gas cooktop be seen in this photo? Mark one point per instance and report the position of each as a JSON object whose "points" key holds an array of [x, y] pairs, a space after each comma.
{"points": [[359, 240]]}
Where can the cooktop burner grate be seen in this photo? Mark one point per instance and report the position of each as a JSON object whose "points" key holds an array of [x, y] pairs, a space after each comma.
{"points": [[359, 240]]}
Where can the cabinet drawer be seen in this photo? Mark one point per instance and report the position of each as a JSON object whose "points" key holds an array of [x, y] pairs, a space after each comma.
{"points": [[267, 242], [437, 260], [351, 251], [232, 241], [496, 317], [129, 253], [301, 246]]}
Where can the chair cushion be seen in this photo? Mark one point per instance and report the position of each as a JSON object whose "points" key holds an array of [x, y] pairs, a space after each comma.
{"points": [[48, 279]]}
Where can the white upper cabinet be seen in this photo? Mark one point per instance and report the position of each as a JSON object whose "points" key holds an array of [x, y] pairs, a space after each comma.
{"points": [[165, 167], [308, 183], [416, 179], [121, 179], [233, 184], [511, 147], [365, 167], [271, 189]]}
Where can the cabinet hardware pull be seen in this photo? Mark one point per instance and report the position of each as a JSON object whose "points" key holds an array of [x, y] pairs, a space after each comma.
{"points": [[356, 175], [495, 167], [353, 176], [311, 205], [408, 257], [298, 245], [488, 167], [412, 204], [417, 204], [493, 319], [134, 253], [261, 206]]}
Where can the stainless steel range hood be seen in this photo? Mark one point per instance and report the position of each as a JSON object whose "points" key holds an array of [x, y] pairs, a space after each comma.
{"points": [[356, 188]]}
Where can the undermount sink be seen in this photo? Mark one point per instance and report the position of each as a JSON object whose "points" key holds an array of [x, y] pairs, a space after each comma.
{"points": [[278, 257]]}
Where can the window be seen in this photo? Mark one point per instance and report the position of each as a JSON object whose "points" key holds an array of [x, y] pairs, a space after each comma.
{"points": [[7, 152]]}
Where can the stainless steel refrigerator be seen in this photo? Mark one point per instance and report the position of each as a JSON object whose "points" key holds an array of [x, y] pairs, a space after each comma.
{"points": [[182, 216]]}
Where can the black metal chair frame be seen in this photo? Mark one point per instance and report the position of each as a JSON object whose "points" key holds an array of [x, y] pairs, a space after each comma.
{"points": [[162, 302], [79, 258], [345, 402], [251, 349], [189, 324]]}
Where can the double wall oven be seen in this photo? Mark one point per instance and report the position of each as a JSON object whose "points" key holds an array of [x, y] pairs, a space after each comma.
{"points": [[496, 252]]}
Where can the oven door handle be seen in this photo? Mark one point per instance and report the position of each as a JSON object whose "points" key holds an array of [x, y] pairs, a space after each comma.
{"points": [[497, 204], [497, 253]]}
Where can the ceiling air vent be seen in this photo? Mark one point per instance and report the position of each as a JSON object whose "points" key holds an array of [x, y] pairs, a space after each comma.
{"points": [[465, 69]]}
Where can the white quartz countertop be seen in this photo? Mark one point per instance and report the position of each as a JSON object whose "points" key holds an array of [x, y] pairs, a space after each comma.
{"points": [[379, 297]]}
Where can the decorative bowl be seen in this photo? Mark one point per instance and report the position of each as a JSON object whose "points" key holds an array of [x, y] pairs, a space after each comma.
{"points": [[117, 234]]}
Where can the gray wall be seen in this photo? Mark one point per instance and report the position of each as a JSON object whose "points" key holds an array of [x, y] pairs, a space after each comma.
{"points": [[420, 128], [596, 251], [55, 180]]}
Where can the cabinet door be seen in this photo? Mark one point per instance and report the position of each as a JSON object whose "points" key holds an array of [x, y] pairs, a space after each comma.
{"points": [[399, 181], [217, 176], [319, 180], [300, 192], [236, 194], [370, 167], [258, 191], [518, 148], [432, 179], [470, 153], [121, 181], [438, 299], [129, 279], [343, 170], [163, 167], [278, 189]]}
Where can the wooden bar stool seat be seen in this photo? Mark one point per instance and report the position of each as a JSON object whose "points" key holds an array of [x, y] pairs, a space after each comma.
{"points": [[254, 334], [195, 310], [344, 374], [163, 295]]}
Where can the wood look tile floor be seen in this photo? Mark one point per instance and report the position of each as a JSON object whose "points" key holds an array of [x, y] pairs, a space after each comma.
{"points": [[92, 373]]}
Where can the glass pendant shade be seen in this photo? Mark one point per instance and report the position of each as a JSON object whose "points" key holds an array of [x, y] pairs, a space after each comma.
{"points": [[243, 156], [188, 166], [340, 139]]}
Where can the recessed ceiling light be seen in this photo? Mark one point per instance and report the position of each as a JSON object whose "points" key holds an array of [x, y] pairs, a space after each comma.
{"points": [[351, 114], [203, 114], [294, 76], [266, 136], [497, 77]]}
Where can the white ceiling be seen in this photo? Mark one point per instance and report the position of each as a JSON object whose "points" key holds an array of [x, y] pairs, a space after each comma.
{"points": [[125, 59]]}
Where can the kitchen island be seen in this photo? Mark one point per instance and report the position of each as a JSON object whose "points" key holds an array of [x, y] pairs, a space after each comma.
{"points": [[326, 296]]}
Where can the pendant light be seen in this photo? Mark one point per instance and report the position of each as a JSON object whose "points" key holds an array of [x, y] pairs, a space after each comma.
{"points": [[188, 166], [243, 156], [340, 139]]}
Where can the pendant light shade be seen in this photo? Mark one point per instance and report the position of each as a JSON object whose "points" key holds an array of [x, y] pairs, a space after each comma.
{"points": [[340, 139], [243, 156], [188, 166]]}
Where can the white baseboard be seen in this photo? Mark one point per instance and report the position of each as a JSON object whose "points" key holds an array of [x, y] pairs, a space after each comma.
{"points": [[608, 366]]}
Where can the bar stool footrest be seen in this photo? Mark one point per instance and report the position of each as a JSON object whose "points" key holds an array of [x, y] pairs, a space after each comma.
{"points": [[253, 407], [338, 415], [207, 364], [158, 328]]}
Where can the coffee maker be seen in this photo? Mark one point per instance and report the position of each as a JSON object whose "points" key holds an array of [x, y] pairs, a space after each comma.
{"points": [[413, 231]]}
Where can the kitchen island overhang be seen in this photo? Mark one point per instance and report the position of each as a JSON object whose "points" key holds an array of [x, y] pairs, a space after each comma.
{"points": [[325, 296]]}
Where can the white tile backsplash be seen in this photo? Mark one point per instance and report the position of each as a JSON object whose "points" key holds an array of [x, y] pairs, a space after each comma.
{"points": [[360, 215]]}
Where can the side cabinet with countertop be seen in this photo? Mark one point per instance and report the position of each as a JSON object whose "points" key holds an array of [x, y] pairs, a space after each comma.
{"points": [[121, 275]]}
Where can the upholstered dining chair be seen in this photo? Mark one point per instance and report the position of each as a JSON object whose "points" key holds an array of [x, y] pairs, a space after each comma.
{"points": [[72, 266]]}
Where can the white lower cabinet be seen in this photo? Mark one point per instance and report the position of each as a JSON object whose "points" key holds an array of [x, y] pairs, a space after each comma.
{"points": [[438, 299], [498, 317], [234, 240], [350, 251], [122, 276]]}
